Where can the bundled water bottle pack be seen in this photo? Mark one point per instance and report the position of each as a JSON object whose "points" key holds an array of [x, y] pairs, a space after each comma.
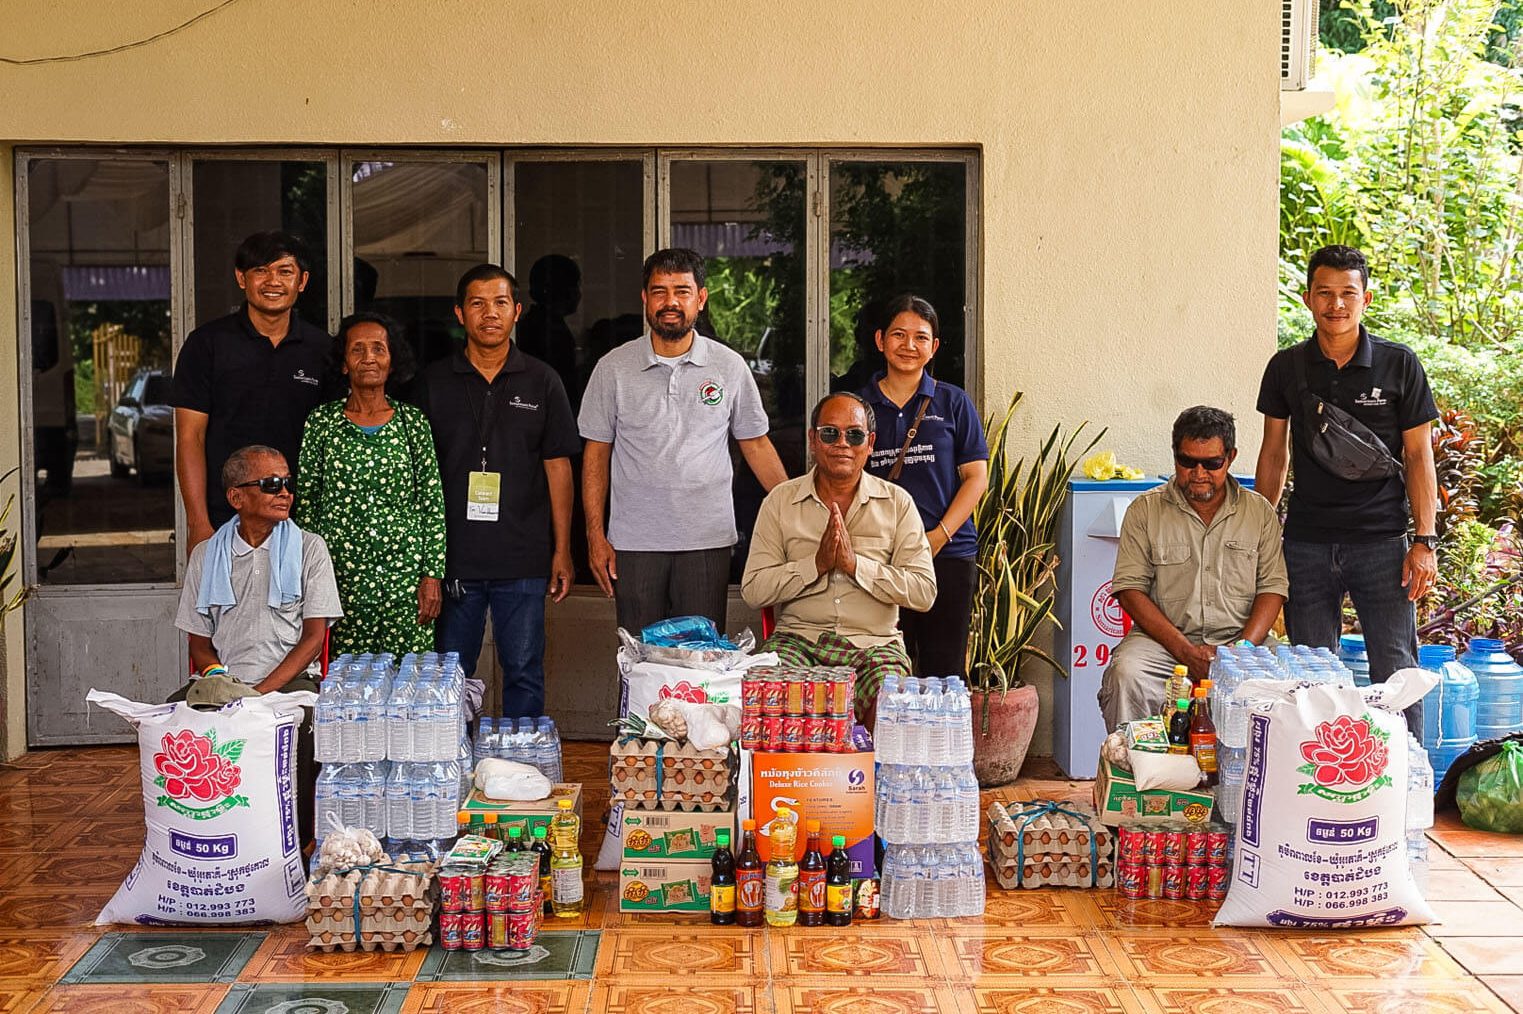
{"points": [[532, 741], [927, 807]]}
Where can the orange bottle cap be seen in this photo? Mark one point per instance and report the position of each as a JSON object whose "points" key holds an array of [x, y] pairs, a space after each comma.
{"points": [[812, 826]]}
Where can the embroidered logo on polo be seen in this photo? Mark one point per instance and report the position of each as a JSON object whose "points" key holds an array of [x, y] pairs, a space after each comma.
{"points": [[518, 402], [1372, 399], [710, 392], [300, 376]]}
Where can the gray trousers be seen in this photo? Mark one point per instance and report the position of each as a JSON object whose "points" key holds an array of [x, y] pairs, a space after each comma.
{"points": [[1132, 686], [657, 586]]}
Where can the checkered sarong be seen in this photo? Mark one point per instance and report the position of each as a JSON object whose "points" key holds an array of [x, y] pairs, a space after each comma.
{"points": [[870, 664]]}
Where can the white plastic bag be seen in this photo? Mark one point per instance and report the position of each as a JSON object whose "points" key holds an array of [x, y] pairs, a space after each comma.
{"points": [[219, 804], [1321, 836], [505, 779], [1177, 772]]}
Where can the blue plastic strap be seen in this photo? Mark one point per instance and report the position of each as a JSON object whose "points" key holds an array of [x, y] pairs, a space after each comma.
{"points": [[1039, 808], [359, 934]]}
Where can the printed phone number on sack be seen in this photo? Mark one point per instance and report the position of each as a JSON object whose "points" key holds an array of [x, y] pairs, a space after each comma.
{"points": [[1334, 900]]}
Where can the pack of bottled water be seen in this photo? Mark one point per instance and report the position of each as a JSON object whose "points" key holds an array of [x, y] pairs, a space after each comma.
{"points": [[932, 881], [1236, 664], [927, 806], [1419, 810], [354, 794], [349, 720], [425, 716], [532, 741]]}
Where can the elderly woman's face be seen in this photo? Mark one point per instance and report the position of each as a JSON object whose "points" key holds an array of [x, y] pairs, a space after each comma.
{"points": [[367, 355]]}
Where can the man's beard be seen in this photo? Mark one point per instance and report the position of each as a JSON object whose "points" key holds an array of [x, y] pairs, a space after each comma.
{"points": [[670, 331], [1194, 493]]}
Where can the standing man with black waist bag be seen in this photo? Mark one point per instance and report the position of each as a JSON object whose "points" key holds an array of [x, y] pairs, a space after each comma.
{"points": [[1356, 412]]}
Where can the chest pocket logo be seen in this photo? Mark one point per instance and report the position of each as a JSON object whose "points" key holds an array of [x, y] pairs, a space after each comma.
{"points": [[710, 393], [300, 376]]}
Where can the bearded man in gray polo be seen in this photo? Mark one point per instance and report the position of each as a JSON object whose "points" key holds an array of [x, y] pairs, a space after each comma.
{"points": [[657, 417]]}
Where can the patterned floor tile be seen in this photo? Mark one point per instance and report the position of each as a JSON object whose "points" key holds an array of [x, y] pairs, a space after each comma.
{"points": [[165, 957], [994, 955], [1458, 885], [30, 907], [877, 952], [1496, 872], [1099, 998], [160, 998], [20, 996], [1038, 909], [1375, 996], [1116, 912], [284, 957], [315, 998], [41, 955], [1476, 919], [1508, 988], [708, 998], [1273, 997], [1398, 954], [555, 955], [1496, 955], [1468, 843], [671, 951], [1148, 954], [68, 871], [829, 995], [497, 998]]}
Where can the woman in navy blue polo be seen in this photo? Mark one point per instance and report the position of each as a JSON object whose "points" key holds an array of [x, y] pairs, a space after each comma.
{"points": [[931, 441]]}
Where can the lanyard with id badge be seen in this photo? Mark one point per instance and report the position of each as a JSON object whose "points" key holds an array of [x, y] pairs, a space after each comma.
{"points": [[483, 490]]}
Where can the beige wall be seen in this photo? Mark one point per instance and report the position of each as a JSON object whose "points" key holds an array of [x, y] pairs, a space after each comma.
{"points": [[1129, 151], [12, 662]]}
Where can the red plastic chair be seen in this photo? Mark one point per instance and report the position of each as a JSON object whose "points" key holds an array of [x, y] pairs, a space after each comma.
{"points": [[769, 622]]}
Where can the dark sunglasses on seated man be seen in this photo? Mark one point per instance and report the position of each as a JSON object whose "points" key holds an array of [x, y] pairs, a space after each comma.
{"points": [[856, 436], [272, 484], [1209, 464]]}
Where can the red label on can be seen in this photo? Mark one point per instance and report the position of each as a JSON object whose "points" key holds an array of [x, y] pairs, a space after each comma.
{"points": [[454, 891], [751, 732], [522, 886], [1129, 846], [1132, 880], [449, 930], [793, 734], [772, 733], [750, 697], [840, 735], [1174, 882], [1216, 848], [477, 899], [1216, 882], [1195, 848], [1173, 853], [473, 931], [1195, 882], [841, 688], [1152, 846], [497, 930], [816, 734], [774, 694], [523, 927]]}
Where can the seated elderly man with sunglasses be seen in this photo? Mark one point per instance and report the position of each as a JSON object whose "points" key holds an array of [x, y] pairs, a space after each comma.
{"points": [[1198, 565], [259, 597], [837, 552]]}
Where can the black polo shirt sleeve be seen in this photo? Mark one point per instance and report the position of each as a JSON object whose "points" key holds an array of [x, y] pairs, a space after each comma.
{"points": [[1274, 400], [1417, 405], [561, 437], [191, 386]]}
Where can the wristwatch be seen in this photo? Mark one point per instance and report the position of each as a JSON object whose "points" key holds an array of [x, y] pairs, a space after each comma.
{"points": [[1431, 541]]}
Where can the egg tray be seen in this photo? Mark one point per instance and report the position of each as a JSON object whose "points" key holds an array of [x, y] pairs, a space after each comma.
{"points": [[395, 909], [1051, 848]]}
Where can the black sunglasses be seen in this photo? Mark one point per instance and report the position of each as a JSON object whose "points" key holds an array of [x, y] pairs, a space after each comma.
{"points": [[271, 484], [856, 436], [1188, 463]]}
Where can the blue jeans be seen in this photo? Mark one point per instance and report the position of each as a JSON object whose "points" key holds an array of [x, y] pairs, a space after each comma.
{"points": [[518, 625], [1370, 573]]}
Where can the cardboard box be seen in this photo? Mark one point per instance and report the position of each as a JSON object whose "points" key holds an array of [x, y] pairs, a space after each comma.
{"points": [[525, 814], [834, 788], [666, 835], [670, 886], [1119, 801]]}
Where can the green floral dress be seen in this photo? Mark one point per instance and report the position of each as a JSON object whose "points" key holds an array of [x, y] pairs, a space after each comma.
{"points": [[377, 500]]}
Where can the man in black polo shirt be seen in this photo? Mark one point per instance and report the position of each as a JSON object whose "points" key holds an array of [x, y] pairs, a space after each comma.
{"points": [[505, 436], [1345, 535], [248, 378]]}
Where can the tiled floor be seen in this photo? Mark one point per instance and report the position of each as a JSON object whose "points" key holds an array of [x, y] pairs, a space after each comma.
{"points": [[71, 826]]}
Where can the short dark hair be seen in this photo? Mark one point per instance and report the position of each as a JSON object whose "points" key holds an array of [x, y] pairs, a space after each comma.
{"points": [[268, 247], [1339, 258], [403, 363], [677, 260], [867, 410], [485, 273], [1204, 422], [910, 303], [235, 469]]}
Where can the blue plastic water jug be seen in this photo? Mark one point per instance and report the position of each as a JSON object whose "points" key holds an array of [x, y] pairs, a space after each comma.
{"points": [[1500, 708], [1449, 709], [1351, 652]]}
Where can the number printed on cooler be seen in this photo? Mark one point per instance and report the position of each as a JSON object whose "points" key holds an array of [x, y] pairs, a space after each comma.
{"points": [[1098, 654]]}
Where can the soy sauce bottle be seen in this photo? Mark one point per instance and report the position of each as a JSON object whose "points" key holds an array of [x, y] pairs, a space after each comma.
{"points": [[749, 876], [838, 884], [812, 880], [722, 888]]}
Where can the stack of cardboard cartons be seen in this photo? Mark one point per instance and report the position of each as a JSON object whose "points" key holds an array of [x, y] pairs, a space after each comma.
{"points": [[666, 860], [665, 775], [1047, 844], [395, 907]]}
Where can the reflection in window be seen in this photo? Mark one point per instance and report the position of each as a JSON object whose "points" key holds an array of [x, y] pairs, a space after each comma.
{"points": [[235, 199], [418, 226], [895, 227], [98, 235]]}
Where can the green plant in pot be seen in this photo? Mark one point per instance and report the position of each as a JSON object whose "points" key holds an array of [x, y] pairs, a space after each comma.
{"points": [[1017, 521]]}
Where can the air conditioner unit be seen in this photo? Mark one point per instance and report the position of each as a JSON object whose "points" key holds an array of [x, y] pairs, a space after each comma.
{"points": [[1298, 43]]}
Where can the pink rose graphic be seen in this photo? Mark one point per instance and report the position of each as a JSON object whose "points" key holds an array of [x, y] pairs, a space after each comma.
{"points": [[1345, 752], [192, 769], [685, 691]]}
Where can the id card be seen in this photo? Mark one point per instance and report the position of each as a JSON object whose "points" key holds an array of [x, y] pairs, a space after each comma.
{"points": [[483, 492]]}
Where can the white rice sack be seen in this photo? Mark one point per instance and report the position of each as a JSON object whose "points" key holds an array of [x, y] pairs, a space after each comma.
{"points": [[611, 852], [1321, 835], [219, 805], [644, 683]]}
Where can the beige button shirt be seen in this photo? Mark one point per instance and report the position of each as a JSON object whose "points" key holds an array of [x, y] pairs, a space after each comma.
{"points": [[1204, 579], [893, 563]]}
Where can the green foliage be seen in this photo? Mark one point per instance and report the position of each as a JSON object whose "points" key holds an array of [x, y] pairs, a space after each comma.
{"points": [[9, 599], [749, 303]]}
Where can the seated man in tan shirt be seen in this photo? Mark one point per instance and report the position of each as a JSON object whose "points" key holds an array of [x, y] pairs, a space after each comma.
{"points": [[837, 552], [1198, 565]]}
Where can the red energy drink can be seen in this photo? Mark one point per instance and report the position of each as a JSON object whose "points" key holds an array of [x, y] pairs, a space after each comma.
{"points": [[495, 883], [772, 733], [523, 927], [472, 931], [816, 734], [1196, 878], [751, 732], [1195, 847], [793, 733], [523, 883], [1152, 846], [497, 930], [838, 735], [454, 890], [1216, 847], [750, 697], [450, 930], [1174, 882], [1173, 853], [1129, 846], [1216, 882], [1132, 880], [773, 696]]}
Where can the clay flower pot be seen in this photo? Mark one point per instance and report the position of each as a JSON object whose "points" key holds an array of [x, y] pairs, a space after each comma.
{"points": [[1000, 744]]}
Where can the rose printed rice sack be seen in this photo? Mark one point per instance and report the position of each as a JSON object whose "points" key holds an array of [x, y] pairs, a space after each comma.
{"points": [[219, 804], [1321, 836]]}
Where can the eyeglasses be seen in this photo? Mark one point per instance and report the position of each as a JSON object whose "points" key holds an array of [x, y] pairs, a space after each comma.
{"points": [[1209, 464], [271, 484], [856, 436]]}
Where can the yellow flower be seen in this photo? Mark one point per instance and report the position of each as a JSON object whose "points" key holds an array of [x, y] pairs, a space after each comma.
{"points": [[1100, 466], [1128, 472]]}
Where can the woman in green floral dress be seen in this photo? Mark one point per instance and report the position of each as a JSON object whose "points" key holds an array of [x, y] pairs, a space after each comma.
{"points": [[369, 485]]}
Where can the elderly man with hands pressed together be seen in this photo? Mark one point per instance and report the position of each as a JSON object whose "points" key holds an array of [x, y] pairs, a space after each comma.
{"points": [[1198, 565], [259, 597], [838, 552]]}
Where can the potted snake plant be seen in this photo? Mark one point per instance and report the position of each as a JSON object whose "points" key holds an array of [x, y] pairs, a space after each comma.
{"points": [[1017, 520]]}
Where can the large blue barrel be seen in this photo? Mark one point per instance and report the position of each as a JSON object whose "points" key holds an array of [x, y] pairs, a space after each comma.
{"points": [[1449, 709], [1499, 710], [1351, 651]]}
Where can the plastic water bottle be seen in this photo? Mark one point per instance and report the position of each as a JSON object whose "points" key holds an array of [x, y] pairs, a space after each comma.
{"points": [[326, 799], [912, 727], [890, 717], [326, 716], [547, 749], [375, 738], [525, 741], [557, 769], [968, 790], [900, 903], [933, 714], [957, 706], [399, 802], [1419, 787], [399, 730], [483, 746], [1417, 859]]}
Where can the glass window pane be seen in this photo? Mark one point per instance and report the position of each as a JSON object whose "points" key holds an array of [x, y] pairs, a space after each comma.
{"points": [[747, 219], [895, 227], [98, 233], [418, 226], [235, 199]]}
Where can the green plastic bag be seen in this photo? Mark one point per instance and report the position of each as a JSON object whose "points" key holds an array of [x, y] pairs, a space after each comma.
{"points": [[1490, 795]]}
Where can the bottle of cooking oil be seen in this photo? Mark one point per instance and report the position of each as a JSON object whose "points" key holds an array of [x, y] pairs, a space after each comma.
{"points": [[566, 898], [782, 882]]}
